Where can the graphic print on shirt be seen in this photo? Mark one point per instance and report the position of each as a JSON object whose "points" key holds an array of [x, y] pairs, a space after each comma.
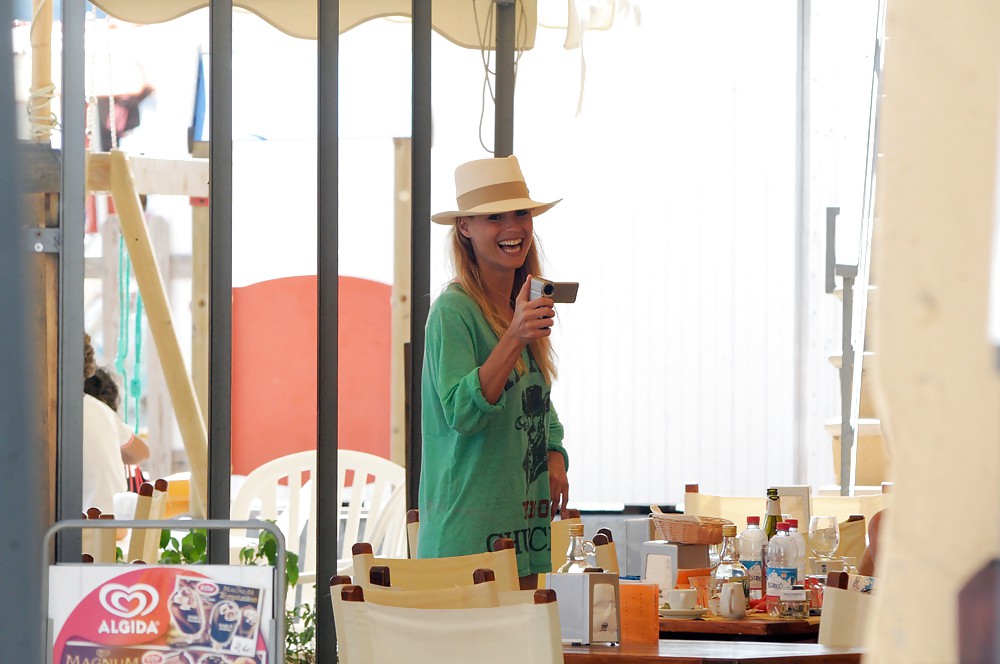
{"points": [[535, 406]]}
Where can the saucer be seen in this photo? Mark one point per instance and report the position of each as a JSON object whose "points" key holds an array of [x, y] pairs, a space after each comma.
{"points": [[696, 612]]}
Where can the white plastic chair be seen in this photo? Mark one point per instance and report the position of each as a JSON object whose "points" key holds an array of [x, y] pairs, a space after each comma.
{"points": [[283, 490]]}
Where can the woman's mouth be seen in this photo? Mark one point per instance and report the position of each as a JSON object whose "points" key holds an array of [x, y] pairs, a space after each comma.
{"points": [[511, 246]]}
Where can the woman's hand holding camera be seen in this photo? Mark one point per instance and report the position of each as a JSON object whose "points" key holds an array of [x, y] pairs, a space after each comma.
{"points": [[532, 318]]}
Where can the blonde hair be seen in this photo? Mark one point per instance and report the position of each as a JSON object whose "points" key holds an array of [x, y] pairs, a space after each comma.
{"points": [[468, 276]]}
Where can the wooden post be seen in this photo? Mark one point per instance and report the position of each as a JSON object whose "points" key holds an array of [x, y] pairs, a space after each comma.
{"points": [[150, 282], [44, 270], [400, 298]]}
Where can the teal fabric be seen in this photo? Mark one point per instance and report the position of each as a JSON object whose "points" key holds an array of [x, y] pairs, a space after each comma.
{"points": [[484, 471]]}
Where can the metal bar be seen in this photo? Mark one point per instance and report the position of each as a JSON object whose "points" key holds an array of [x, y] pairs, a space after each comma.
{"points": [[278, 598], [69, 454], [328, 299], [503, 129], [22, 474], [831, 248], [220, 343], [420, 274], [846, 382], [800, 421]]}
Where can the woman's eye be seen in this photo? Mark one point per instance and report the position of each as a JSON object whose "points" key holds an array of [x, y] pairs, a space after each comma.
{"points": [[522, 213], [494, 217]]}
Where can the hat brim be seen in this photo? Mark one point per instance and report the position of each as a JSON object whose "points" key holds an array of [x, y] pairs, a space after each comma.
{"points": [[495, 208]]}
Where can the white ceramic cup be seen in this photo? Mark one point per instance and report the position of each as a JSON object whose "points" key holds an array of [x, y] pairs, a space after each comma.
{"points": [[732, 602], [681, 599]]}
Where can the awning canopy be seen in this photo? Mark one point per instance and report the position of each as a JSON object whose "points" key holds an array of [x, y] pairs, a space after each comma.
{"points": [[468, 23]]}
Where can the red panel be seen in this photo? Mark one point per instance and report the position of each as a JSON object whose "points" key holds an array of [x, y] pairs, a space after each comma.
{"points": [[274, 368]]}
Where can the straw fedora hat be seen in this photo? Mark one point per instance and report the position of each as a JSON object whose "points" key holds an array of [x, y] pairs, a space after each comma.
{"points": [[489, 186]]}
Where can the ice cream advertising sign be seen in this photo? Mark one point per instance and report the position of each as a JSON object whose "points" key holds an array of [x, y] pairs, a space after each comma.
{"points": [[158, 615]]}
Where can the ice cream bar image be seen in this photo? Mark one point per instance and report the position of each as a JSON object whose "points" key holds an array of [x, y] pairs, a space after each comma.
{"points": [[186, 611], [225, 618]]}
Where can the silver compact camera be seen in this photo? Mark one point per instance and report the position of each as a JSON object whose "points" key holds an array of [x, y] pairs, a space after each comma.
{"points": [[557, 291]]}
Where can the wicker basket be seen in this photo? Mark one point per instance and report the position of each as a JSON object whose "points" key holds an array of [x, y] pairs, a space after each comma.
{"points": [[687, 528]]}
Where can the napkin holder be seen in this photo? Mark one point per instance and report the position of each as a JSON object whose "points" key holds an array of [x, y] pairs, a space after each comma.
{"points": [[589, 606], [659, 564]]}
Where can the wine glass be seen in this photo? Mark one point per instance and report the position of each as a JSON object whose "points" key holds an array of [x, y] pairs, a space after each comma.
{"points": [[824, 536]]}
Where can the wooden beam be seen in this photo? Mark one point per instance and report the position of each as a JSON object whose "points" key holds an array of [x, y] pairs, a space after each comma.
{"points": [[403, 150], [40, 112], [180, 177], [150, 282]]}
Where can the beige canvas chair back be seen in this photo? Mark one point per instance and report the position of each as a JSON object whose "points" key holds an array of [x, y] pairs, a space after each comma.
{"points": [[98, 544], [412, 530], [480, 595], [605, 551], [853, 539], [428, 573], [845, 618], [369, 633], [738, 508], [144, 544]]}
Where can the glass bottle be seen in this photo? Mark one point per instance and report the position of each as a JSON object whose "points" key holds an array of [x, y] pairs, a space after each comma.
{"points": [[729, 568], [577, 552], [772, 513]]}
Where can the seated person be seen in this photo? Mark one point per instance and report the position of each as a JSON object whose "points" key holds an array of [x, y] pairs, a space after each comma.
{"points": [[107, 444], [867, 564]]}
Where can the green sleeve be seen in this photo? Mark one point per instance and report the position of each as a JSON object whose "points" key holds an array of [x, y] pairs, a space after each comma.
{"points": [[451, 359], [556, 435]]}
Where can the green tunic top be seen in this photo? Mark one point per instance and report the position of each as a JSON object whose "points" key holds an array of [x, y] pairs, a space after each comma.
{"points": [[484, 472]]}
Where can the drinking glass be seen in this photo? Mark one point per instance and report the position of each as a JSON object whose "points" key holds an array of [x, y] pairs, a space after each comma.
{"points": [[824, 535]]}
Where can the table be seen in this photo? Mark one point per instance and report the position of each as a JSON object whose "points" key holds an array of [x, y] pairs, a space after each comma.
{"points": [[752, 628], [711, 652]]}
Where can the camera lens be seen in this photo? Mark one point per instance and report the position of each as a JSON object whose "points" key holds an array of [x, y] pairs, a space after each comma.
{"points": [[548, 289]]}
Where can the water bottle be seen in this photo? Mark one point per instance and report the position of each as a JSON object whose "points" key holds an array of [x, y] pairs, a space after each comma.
{"points": [[750, 544], [800, 543], [782, 566]]}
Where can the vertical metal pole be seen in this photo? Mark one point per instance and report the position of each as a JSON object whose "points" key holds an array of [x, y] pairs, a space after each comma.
{"points": [[69, 483], [846, 383], [22, 473], [801, 285], [420, 279], [503, 129], [328, 298], [220, 304]]}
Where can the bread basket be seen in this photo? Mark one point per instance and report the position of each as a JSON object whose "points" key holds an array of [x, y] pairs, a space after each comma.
{"points": [[687, 528]]}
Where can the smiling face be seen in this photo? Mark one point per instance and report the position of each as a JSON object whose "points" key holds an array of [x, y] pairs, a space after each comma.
{"points": [[500, 241]]}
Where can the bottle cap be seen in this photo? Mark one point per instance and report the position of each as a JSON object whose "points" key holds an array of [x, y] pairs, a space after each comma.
{"points": [[783, 526], [729, 530], [792, 523], [753, 520], [576, 530]]}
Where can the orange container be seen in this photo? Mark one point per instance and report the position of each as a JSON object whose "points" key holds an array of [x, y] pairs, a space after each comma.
{"points": [[684, 574], [640, 615]]}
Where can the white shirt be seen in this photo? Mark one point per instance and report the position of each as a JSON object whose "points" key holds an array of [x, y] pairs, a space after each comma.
{"points": [[104, 434]]}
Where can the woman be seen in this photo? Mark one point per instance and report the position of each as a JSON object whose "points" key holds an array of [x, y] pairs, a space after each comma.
{"points": [[493, 461]]}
